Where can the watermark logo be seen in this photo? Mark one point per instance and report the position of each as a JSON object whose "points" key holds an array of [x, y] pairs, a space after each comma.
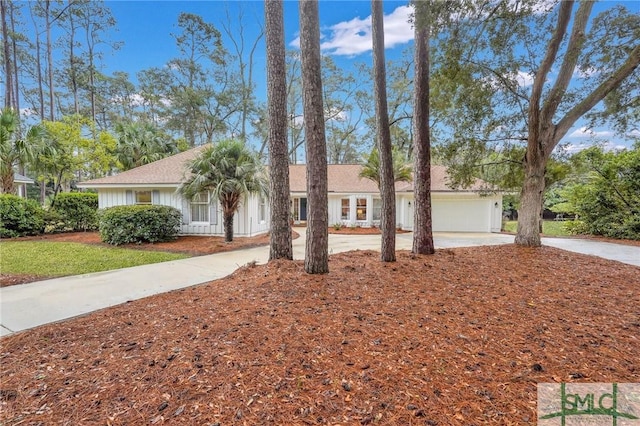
{"points": [[577, 404]]}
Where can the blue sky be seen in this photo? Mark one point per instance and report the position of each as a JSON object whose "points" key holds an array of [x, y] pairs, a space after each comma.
{"points": [[145, 27]]}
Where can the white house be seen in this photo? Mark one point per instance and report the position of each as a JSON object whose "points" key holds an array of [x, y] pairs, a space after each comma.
{"points": [[352, 200], [21, 183], [157, 183]]}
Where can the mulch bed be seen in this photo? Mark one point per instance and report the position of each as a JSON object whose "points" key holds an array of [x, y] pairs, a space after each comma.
{"points": [[460, 337]]}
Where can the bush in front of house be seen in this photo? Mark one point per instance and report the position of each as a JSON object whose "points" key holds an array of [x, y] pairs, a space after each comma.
{"points": [[139, 224], [74, 211], [19, 217]]}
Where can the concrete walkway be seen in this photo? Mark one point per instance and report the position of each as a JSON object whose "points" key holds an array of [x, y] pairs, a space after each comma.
{"points": [[30, 305]]}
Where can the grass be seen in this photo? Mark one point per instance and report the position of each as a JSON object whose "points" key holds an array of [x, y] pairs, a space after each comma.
{"points": [[47, 258], [550, 228]]}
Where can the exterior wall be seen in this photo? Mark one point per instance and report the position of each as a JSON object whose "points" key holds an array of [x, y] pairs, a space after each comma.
{"points": [[335, 210], [453, 212], [246, 222]]}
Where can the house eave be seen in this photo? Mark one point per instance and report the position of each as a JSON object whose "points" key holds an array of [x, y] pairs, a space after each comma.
{"points": [[126, 185]]}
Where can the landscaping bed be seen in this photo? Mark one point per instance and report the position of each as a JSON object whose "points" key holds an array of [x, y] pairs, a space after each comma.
{"points": [[460, 337]]}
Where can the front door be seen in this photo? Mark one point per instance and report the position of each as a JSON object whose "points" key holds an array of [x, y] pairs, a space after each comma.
{"points": [[303, 209], [300, 209]]}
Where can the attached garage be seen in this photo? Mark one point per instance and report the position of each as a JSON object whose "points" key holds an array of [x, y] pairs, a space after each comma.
{"points": [[464, 215], [354, 201]]}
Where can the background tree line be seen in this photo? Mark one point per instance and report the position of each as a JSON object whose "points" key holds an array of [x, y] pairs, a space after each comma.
{"points": [[484, 121]]}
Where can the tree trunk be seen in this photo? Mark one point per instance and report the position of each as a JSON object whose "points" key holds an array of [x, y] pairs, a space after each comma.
{"points": [[6, 48], [531, 198], [38, 68], [49, 61], [387, 182], [7, 182], [422, 219], [228, 227], [317, 243], [280, 238], [16, 79]]}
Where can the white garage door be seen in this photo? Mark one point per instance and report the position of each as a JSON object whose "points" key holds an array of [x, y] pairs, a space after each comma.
{"points": [[461, 215]]}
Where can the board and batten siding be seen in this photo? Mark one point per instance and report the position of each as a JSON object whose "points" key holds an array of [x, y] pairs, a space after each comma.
{"points": [[246, 222]]}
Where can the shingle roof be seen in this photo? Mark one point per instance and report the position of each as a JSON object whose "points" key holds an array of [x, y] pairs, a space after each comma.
{"points": [[18, 178], [342, 178], [169, 170]]}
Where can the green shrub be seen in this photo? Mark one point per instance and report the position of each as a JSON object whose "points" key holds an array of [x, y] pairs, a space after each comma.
{"points": [[55, 223], [139, 224], [337, 226], [20, 217], [78, 211]]}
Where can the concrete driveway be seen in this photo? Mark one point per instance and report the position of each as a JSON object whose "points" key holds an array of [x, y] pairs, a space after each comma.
{"points": [[30, 305]]}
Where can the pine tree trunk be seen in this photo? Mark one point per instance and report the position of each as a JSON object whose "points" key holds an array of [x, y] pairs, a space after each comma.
{"points": [[317, 244], [228, 227], [422, 219], [50, 61], [280, 237], [8, 69], [387, 182]]}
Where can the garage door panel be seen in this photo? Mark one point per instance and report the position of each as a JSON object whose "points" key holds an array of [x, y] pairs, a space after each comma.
{"points": [[461, 215]]}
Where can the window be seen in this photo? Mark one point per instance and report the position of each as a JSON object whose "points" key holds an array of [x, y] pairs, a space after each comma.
{"points": [[361, 209], [200, 207], [262, 210], [143, 197], [345, 209], [377, 209]]}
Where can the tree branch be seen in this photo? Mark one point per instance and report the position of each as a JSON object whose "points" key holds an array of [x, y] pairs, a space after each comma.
{"points": [[576, 41], [564, 15], [594, 97]]}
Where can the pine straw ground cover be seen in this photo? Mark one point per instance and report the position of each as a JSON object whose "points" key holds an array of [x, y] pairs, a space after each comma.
{"points": [[460, 337]]}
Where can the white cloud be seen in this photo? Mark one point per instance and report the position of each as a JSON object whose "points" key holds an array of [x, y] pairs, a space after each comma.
{"points": [[350, 38], [586, 73], [584, 132], [573, 148], [524, 79]]}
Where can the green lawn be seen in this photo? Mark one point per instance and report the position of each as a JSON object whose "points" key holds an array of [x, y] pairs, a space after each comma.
{"points": [[550, 228], [59, 258]]}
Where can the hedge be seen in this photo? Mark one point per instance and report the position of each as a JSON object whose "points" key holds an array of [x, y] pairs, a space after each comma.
{"points": [[19, 217], [139, 224], [74, 211]]}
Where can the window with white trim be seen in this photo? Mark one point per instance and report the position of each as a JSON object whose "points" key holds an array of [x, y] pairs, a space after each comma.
{"points": [[345, 209], [377, 209], [200, 207], [262, 210], [361, 209], [143, 197]]}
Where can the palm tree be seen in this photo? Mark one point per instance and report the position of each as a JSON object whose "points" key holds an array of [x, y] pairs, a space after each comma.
{"points": [[230, 172], [14, 150], [371, 167], [141, 143]]}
